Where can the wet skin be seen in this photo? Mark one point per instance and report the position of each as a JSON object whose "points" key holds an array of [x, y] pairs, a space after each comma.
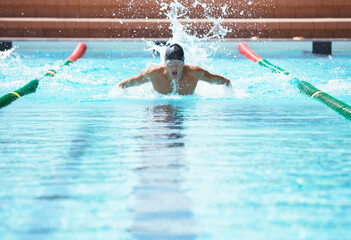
{"points": [[180, 79]]}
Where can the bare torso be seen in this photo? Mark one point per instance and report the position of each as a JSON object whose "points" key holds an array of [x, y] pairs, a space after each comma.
{"points": [[184, 86]]}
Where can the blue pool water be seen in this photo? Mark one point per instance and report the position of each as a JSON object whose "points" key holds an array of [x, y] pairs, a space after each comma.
{"points": [[262, 161]]}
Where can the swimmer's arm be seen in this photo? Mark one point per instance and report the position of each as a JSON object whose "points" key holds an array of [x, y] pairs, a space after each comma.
{"points": [[214, 79], [134, 81]]}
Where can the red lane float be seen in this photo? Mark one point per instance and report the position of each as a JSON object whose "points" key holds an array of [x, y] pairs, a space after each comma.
{"points": [[78, 53], [246, 51]]}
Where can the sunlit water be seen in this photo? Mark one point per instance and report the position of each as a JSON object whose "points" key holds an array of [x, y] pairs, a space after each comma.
{"points": [[260, 161], [82, 160]]}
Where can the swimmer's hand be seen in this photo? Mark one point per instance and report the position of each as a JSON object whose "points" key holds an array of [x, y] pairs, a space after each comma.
{"points": [[121, 85], [227, 83], [116, 91]]}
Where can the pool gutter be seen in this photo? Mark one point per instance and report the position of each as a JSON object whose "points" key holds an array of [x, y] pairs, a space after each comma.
{"points": [[339, 46]]}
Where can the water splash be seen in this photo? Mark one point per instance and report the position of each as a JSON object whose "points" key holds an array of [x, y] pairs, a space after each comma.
{"points": [[8, 54], [11, 68], [175, 86], [9, 59], [198, 51]]}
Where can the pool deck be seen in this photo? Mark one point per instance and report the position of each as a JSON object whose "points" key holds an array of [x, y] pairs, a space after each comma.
{"points": [[265, 19]]}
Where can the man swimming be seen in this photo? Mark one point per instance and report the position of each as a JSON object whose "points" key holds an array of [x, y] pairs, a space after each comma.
{"points": [[174, 76]]}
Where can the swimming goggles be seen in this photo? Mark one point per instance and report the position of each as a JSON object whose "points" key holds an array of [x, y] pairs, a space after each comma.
{"points": [[170, 62]]}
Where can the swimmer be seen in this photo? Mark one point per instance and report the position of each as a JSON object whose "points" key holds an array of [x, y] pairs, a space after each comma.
{"points": [[174, 76]]}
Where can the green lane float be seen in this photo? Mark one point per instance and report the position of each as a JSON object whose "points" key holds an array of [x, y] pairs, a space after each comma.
{"points": [[305, 87], [32, 86]]}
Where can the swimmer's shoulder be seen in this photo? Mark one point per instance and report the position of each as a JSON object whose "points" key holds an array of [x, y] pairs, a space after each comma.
{"points": [[194, 70], [154, 69]]}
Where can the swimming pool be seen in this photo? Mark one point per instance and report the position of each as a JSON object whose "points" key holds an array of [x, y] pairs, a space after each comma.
{"points": [[259, 162]]}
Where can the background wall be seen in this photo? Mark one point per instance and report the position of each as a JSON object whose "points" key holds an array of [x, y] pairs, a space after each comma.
{"points": [[147, 18]]}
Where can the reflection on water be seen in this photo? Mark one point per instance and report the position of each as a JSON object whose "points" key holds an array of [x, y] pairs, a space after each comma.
{"points": [[160, 206], [66, 171]]}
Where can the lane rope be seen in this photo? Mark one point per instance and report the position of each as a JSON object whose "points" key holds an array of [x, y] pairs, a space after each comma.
{"points": [[305, 87], [16, 94], [32, 86]]}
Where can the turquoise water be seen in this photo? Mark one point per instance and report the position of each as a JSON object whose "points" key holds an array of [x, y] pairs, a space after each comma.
{"points": [[259, 162]]}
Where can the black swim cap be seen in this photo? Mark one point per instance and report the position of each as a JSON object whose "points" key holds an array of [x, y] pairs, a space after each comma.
{"points": [[175, 51]]}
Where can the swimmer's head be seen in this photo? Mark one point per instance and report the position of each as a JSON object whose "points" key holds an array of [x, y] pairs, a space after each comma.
{"points": [[174, 61], [174, 52]]}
